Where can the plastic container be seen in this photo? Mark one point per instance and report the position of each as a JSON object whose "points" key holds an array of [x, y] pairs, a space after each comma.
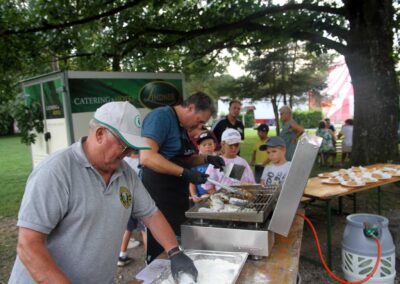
{"points": [[359, 252]]}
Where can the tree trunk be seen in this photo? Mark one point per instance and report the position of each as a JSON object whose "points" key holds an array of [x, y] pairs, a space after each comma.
{"points": [[276, 112], [371, 66], [116, 63]]}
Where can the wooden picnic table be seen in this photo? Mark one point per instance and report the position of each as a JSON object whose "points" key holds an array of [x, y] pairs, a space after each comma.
{"points": [[282, 265], [317, 190]]}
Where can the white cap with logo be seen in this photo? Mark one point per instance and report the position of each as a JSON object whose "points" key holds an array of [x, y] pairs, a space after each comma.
{"points": [[231, 136], [123, 119]]}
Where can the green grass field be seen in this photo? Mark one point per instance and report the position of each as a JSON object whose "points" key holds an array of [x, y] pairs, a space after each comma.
{"points": [[15, 166]]}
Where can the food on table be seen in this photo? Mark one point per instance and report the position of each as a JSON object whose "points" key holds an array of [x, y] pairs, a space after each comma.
{"points": [[346, 177], [357, 169], [334, 180], [325, 175], [376, 175], [369, 179]]}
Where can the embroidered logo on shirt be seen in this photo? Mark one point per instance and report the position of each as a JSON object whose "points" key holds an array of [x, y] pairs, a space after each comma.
{"points": [[125, 197]]}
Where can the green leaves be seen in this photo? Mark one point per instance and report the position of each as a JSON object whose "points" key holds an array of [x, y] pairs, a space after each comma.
{"points": [[28, 118]]}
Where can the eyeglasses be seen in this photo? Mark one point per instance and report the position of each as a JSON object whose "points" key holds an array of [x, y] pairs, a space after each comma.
{"points": [[124, 148]]}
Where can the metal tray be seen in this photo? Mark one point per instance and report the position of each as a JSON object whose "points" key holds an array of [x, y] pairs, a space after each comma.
{"points": [[237, 258]]}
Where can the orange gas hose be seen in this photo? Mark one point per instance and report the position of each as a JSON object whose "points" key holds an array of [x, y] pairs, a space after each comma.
{"points": [[378, 244]]}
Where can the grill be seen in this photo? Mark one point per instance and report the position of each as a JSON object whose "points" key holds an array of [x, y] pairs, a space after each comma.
{"points": [[263, 201], [254, 231]]}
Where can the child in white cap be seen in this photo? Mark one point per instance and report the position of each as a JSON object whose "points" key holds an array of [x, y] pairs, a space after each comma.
{"points": [[230, 146]]}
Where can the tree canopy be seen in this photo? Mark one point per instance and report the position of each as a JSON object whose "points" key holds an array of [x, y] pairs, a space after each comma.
{"points": [[139, 35]]}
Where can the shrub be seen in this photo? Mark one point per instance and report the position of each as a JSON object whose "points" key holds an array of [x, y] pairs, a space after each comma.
{"points": [[308, 119], [249, 118]]}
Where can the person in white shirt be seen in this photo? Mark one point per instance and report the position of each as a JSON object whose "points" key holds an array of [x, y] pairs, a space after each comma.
{"points": [[347, 133]]}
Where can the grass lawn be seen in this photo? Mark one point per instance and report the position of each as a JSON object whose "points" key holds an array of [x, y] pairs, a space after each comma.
{"points": [[15, 166]]}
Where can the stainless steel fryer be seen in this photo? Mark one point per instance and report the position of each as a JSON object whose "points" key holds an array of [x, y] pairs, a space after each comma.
{"points": [[253, 232]]}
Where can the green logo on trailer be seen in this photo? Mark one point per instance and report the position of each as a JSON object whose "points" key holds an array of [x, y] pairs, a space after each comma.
{"points": [[159, 93]]}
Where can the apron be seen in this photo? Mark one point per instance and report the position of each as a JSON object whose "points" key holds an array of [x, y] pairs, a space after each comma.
{"points": [[170, 193]]}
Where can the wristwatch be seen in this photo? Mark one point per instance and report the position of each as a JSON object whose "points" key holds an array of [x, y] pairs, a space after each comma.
{"points": [[174, 251]]}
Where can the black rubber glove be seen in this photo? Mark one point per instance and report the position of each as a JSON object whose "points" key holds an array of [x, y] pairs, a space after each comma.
{"points": [[181, 263], [194, 177], [216, 161]]}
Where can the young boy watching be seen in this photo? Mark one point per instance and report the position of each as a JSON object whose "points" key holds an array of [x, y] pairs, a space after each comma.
{"points": [[276, 172], [260, 158], [206, 143]]}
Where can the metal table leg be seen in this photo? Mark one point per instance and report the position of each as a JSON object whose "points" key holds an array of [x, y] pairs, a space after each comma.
{"points": [[354, 202], [328, 232], [340, 205], [379, 199]]}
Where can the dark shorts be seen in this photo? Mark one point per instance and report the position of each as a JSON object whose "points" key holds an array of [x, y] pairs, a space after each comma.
{"points": [[134, 223]]}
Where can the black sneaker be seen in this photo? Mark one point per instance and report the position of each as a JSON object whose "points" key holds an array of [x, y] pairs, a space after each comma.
{"points": [[122, 261]]}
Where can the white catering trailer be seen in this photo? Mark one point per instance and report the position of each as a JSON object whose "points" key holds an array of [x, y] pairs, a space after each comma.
{"points": [[70, 98]]}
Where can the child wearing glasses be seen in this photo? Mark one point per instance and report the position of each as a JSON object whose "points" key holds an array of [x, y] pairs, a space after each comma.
{"points": [[230, 146]]}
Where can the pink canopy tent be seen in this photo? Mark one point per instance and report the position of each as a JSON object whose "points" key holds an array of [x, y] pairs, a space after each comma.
{"points": [[338, 98]]}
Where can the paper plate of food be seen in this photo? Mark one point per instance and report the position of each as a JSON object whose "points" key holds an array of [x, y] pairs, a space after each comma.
{"points": [[328, 174], [324, 175], [357, 169], [352, 183], [331, 181], [369, 179], [391, 171], [381, 175], [395, 174]]}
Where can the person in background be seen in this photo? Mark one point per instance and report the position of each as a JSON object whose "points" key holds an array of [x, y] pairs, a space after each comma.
{"points": [[230, 121], [230, 146], [194, 134], [276, 172], [326, 149], [332, 128], [167, 167], [329, 125], [77, 203], [290, 131], [260, 158], [127, 240], [206, 143], [347, 133]]}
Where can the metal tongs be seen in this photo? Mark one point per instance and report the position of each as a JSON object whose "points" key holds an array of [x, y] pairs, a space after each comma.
{"points": [[227, 187], [232, 171]]}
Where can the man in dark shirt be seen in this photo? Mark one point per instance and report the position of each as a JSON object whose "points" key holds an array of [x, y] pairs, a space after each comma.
{"points": [[230, 121]]}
